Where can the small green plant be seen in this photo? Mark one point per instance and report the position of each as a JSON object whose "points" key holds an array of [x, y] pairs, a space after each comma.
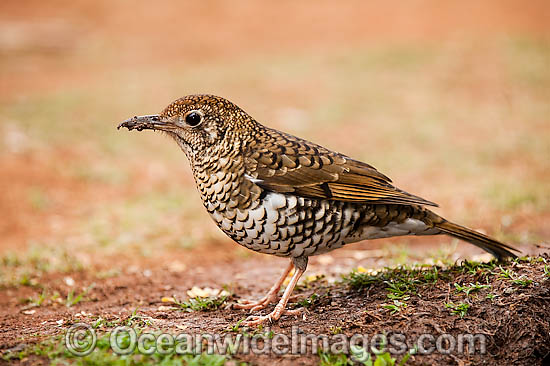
{"points": [[467, 289], [522, 281], [25, 280], [512, 276], [396, 307], [473, 268], [201, 303], [459, 309], [40, 300], [359, 356], [136, 320], [431, 276], [235, 328], [334, 359], [73, 299], [385, 359], [400, 290], [310, 301], [35, 302], [505, 273], [400, 280], [547, 270], [359, 281]]}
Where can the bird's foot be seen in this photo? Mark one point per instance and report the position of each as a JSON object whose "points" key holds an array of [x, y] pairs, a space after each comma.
{"points": [[256, 305], [255, 320]]}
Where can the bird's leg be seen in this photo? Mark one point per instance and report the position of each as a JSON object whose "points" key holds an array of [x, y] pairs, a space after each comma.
{"points": [[300, 264], [269, 298]]}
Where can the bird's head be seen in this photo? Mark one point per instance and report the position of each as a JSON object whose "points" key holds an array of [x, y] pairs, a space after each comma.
{"points": [[199, 124]]}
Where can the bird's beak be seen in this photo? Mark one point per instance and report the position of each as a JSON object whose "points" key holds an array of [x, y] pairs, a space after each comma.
{"points": [[150, 122]]}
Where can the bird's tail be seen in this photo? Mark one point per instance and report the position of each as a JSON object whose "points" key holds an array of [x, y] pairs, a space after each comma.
{"points": [[495, 247]]}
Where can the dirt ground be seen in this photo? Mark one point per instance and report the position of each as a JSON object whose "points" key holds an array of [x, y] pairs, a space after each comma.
{"points": [[449, 99]]}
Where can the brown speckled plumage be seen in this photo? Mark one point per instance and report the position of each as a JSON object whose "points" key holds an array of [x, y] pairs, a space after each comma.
{"points": [[278, 194]]}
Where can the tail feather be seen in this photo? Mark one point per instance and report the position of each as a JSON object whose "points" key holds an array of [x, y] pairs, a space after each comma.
{"points": [[495, 247]]}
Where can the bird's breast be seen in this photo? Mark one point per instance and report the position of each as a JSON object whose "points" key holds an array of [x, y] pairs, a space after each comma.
{"points": [[287, 225]]}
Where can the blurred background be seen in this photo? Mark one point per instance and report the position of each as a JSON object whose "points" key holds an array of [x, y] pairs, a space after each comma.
{"points": [[449, 98]]}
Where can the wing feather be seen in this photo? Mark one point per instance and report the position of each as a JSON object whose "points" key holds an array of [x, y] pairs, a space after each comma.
{"points": [[284, 163]]}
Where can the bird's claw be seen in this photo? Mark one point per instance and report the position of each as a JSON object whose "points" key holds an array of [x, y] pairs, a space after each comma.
{"points": [[255, 305], [255, 320]]}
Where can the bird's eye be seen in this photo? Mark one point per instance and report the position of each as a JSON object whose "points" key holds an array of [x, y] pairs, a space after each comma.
{"points": [[193, 118]]}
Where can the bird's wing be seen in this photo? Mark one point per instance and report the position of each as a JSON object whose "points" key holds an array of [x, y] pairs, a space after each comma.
{"points": [[284, 163]]}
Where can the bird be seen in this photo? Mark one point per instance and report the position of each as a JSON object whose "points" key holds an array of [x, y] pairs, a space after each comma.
{"points": [[278, 194]]}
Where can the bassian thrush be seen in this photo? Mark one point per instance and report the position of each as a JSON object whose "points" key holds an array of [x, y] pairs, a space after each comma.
{"points": [[278, 194]]}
